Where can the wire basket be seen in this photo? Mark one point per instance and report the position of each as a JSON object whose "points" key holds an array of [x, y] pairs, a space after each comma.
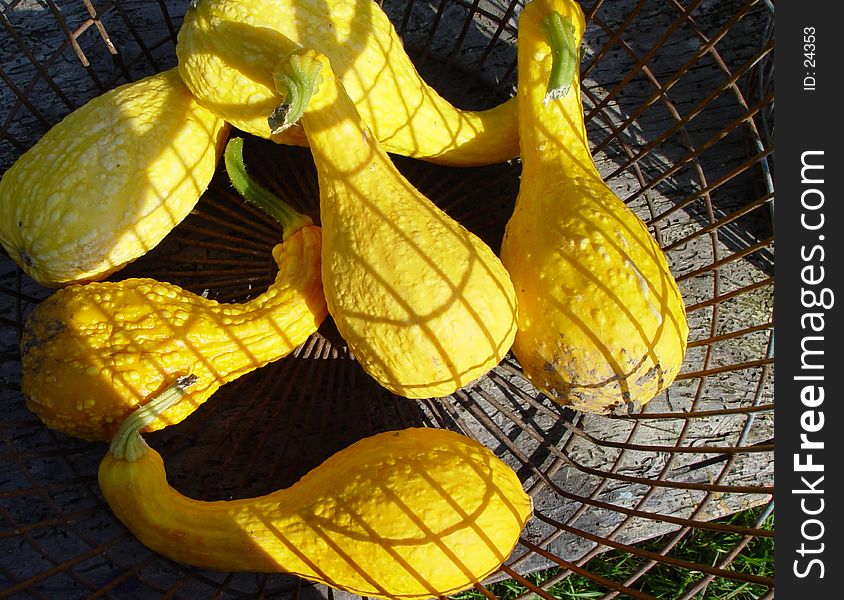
{"points": [[679, 111]]}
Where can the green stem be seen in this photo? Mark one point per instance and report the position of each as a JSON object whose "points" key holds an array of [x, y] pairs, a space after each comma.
{"points": [[560, 34], [291, 221], [127, 443], [296, 78]]}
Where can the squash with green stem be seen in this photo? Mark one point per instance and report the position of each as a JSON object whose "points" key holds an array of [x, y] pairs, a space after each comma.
{"points": [[228, 48], [601, 319], [91, 354], [414, 513], [107, 183], [425, 306]]}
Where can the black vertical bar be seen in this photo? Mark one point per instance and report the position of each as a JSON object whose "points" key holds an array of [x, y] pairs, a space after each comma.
{"points": [[809, 451]]}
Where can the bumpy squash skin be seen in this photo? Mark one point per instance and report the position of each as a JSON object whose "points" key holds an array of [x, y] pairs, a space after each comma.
{"points": [[107, 183], [227, 49], [415, 513], [425, 306], [92, 353], [601, 319]]}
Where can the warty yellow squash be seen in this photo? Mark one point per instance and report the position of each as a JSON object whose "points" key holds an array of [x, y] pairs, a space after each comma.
{"points": [[414, 513], [92, 353], [425, 306], [227, 49], [601, 319], [107, 183]]}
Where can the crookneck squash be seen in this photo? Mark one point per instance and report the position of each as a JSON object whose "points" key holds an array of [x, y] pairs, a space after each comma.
{"points": [[92, 353], [108, 182], [227, 49], [601, 320], [413, 513], [425, 306]]}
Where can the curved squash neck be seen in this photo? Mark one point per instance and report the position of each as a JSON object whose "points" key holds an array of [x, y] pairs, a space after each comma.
{"points": [[331, 121], [551, 129], [298, 269], [254, 311], [240, 537], [346, 152], [294, 256]]}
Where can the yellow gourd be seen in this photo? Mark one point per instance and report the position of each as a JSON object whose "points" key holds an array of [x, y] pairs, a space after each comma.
{"points": [[92, 353], [601, 320], [227, 49], [414, 513], [108, 182], [425, 306]]}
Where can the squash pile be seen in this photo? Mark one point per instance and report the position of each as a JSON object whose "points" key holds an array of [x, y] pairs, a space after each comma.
{"points": [[581, 293]]}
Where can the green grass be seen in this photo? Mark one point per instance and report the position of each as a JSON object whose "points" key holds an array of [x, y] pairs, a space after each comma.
{"points": [[662, 581]]}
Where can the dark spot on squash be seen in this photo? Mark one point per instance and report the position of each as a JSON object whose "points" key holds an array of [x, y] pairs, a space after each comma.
{"points": [[49, 330], [612, 409], [654, 372]]}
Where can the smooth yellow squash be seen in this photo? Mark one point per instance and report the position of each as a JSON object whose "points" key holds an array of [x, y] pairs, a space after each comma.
{"points": [[601, 320], [227, 49], [107, 183], [91, 354], [413, 513], [425, 306]]}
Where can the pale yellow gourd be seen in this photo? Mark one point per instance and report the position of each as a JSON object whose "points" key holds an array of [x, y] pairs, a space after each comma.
{"points": [[227, 49], [425, 306], [107, 183], [414, 513], [601, 319], [92, 353]]}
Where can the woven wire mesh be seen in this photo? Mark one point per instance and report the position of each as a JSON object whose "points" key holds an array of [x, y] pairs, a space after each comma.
{"points": [[679, 109]]}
